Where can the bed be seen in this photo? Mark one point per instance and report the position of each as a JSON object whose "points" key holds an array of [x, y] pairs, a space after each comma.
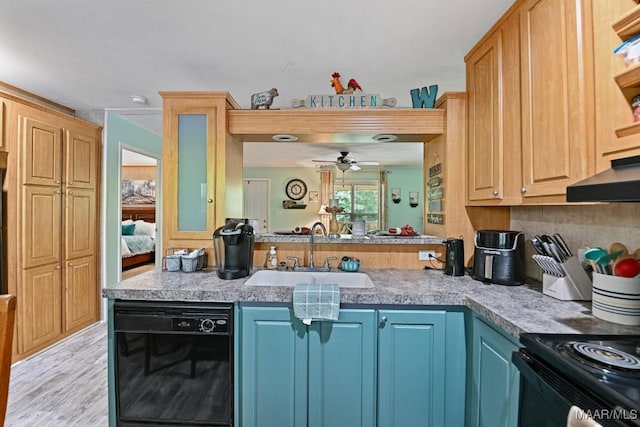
{"points": [[137, 245]]}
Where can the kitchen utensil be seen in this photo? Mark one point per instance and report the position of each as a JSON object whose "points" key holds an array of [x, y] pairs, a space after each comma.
{"points": [[562, 245], [627, 267], [616, 246], [592, 255], [636, 254], [537, 245], [549, 265], [607, 258]]}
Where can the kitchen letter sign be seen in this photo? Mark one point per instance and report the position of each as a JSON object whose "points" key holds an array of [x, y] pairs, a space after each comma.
{"points": [[425, 97]]}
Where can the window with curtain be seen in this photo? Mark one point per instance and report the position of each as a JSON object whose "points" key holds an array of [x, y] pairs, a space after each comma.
{"points": [[360, 200]]}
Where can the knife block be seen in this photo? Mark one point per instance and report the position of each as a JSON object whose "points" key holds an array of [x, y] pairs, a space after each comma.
{"points": [[574, 286]]}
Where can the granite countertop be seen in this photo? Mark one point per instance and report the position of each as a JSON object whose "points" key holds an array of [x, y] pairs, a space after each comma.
{"points": [[516, 309], [350, 239]]}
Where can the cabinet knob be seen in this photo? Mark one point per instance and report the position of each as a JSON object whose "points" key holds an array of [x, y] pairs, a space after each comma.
{"points": [[70, 182], [495, 192], [70, 264], [58, 192], [58, 267], [209, 200], [523, 190], [57, 181], [70, 193], [383, 320]]}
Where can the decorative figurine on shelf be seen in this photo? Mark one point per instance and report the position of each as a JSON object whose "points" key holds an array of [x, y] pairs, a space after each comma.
{"points": [[263, 99], [340, 90], [334, 209], [425, 97]]}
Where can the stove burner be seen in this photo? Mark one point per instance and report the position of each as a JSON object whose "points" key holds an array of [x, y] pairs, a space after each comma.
{"points": [[608, 355]]}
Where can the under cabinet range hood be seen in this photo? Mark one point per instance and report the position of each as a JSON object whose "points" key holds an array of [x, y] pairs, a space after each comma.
{"points": [[621, 183]]}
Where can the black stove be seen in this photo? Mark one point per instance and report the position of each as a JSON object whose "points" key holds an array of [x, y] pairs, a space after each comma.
{"points": [[598, 373]]}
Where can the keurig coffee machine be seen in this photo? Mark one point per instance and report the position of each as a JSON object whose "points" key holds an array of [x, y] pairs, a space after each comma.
{"points": [[233, 247]]}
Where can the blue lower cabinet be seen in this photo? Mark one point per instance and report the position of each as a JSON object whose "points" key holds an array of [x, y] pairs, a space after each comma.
{"points": [[369, 368], [494, 381], [273, 368], [342, 370], [411, 374]]}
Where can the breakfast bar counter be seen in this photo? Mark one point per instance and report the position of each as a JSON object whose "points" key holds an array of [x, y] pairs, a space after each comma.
{"points": [[516, 309]]}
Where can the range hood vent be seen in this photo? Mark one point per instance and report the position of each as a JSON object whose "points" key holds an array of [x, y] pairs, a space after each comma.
{"points": [[621, 183]]}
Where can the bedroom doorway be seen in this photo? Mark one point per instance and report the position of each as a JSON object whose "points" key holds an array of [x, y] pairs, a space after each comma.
{"points": [[139, 176]]}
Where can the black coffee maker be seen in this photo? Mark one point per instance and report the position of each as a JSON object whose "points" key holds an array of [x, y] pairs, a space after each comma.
{"points": [[454, 257], [233, 247]]}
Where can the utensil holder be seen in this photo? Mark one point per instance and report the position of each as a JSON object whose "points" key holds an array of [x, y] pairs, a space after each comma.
{"points": [[616, 299], [565, 281]]}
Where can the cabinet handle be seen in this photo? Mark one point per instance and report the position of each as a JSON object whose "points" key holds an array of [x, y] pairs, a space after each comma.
{"points": [[70, 264], [495, 192], [58, 267], [209, 200], [70, 193], [523, 190], [383, 320], [70, 182], [57, 181], [58, 192]]}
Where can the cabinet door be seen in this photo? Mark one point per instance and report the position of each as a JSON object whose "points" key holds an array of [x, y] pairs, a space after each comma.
{"points": [[485, 142], [556, 147], [273, 368], [40, 226], [342, 370], [494, 142], [411, 374], [40, 307], [80, 223], [3, 120], [190, 173], [80, 155], [80, 293], [495, 380], [41, 150]]}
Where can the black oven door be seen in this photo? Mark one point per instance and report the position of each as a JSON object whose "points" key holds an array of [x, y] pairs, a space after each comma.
{"points": [[546, 398]]}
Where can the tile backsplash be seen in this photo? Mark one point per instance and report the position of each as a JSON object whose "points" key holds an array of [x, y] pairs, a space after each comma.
{"points": [[593, 225]]}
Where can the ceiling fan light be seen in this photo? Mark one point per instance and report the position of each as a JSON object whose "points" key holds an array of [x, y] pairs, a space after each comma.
{"points": [[343, 166], [284, 138], [382, 137]]}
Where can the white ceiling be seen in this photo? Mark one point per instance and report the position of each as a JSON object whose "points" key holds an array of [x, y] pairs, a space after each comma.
{"points": [[93, 55]]}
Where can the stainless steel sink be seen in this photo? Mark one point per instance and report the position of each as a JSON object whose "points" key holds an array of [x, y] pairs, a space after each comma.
{"points": [[292, 278]]}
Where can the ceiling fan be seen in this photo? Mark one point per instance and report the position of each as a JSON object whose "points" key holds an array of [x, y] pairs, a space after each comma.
{"points": [[344, 162]]}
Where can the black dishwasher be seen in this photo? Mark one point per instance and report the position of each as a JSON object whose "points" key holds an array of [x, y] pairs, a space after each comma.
{"points": [[174, 363]]}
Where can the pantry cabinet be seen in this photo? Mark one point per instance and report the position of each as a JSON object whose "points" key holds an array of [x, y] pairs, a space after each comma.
{"points": [[530, 84], [493, 383], [202, 167], [52, 187], [351, 371]]}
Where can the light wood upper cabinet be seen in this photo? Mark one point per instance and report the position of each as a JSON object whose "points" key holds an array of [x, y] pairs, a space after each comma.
{"points": [[530, 84], [80, 158], [556, 147], [202, 168], [41, 149], [493, 86]]}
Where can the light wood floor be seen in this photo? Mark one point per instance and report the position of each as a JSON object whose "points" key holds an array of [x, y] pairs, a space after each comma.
{"points": [[65, 385], [137, 270]]}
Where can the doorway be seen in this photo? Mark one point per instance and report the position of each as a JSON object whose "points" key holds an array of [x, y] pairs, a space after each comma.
{"points": [[255, 204], [139, 178]]}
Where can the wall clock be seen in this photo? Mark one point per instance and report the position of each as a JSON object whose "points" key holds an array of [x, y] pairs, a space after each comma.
{"points": [[296, 189]]}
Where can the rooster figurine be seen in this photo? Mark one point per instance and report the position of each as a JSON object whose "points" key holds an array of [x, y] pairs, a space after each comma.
{"points": [[340, 90]]}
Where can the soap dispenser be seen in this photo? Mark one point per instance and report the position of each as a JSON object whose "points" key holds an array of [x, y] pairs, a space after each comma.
{"points": [[272, 259]]}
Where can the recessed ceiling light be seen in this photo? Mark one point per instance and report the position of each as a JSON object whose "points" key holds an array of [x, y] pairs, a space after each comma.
{"points": [[284, 138], [139, 99], [384, 137]]}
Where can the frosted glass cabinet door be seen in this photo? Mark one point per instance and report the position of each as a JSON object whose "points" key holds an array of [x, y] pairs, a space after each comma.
{"points": [[192, 172]]}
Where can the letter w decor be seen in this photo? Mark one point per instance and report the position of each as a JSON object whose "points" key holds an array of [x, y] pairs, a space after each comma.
{"points": [[425, 97]]}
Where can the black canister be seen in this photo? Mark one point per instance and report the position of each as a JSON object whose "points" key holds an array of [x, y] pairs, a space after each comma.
{"points": [[454, 257]]}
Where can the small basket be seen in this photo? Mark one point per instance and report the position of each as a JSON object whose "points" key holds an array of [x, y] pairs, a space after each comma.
{"points": [[189, 265], [171, 260], [350, 266]]}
